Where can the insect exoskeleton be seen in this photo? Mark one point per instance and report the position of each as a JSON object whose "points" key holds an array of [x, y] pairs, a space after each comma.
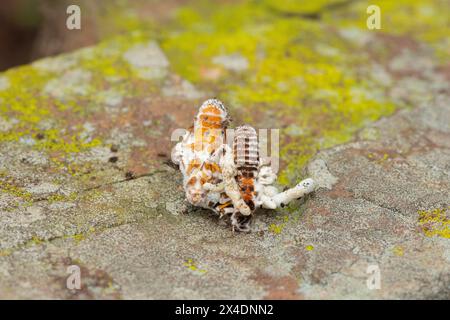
{"points": [[210, 125], [246, 159], [207, 136]]}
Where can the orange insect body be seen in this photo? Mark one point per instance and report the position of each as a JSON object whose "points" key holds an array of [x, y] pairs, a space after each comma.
{"points": [[229, 181], [209, 127], [205, 138]]}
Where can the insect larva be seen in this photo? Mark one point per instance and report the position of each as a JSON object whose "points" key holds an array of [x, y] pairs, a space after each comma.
{"points": [[246, 159]]}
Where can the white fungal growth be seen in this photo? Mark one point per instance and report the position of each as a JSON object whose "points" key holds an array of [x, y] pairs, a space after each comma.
{"points": [[230, 181]]}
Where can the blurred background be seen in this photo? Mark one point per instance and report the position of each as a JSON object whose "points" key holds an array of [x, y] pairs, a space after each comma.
{"points": [[32, 29]]}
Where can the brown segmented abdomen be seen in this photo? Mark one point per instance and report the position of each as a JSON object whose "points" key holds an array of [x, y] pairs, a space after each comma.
{"points": [[246, 159], [245, 147]]}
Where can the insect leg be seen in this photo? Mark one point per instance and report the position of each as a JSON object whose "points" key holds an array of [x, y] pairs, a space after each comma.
{"points": [[231, 187], [303, 188]]}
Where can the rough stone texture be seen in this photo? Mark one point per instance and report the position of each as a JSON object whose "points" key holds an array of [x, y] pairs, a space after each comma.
{"points": [[371, 216], [85, 179]]}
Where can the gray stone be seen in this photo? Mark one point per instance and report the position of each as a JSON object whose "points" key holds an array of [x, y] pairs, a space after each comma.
{"points": [[116, 209]]}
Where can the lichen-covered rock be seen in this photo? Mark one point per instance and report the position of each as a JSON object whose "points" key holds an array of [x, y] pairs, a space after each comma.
{"points": [[388, 207], [85, 138]]}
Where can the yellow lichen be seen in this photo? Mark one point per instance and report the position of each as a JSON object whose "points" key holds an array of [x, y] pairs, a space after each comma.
{"points": [[10, 188], [28, 108], [5, 252], [35, 240], [288, 74], [398, 251], [425, 21], [80, 236], [276, 228], [191, 265], [435, 222], [61, 197]]}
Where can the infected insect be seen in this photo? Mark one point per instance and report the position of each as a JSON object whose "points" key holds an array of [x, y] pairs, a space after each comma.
{"points": [[231, 181]]}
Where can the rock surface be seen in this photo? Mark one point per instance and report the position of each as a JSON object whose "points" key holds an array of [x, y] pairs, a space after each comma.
{"points": [[85, 140]]}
